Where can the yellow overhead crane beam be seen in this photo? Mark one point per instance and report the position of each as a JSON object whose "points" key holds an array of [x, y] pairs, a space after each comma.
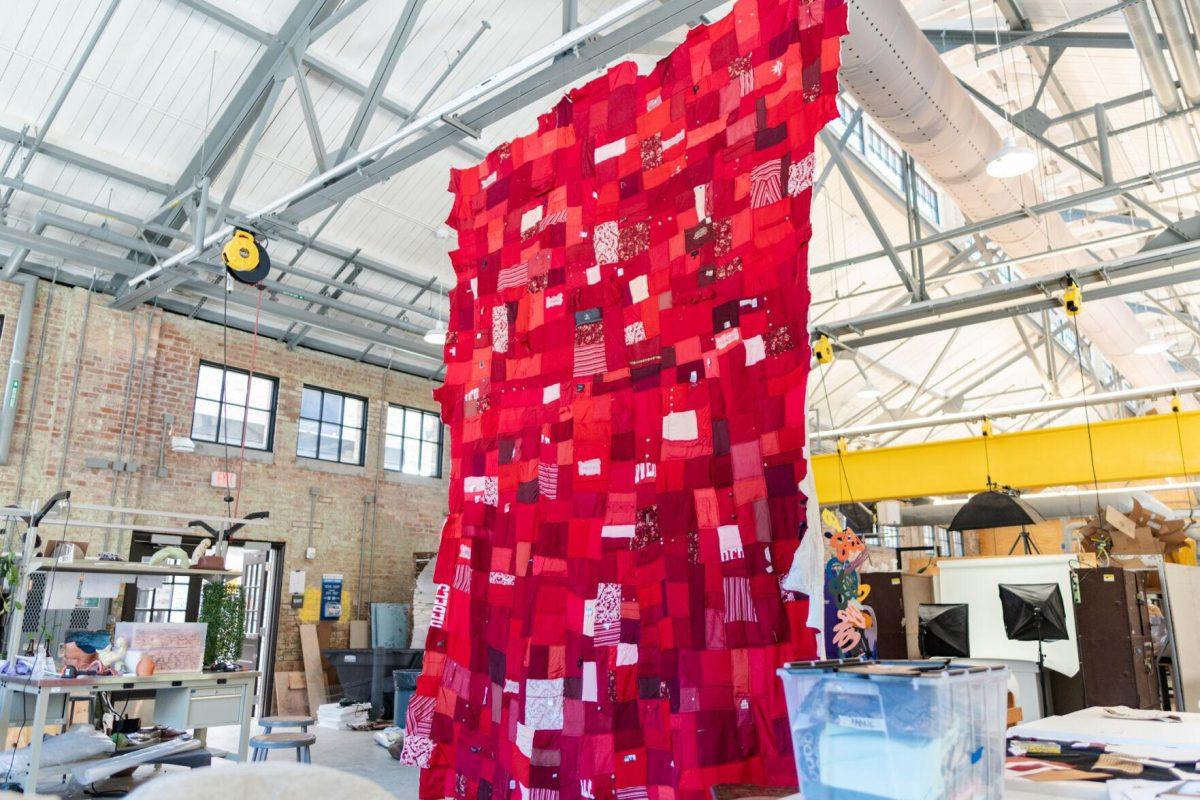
{"points": [[1140, 448]]}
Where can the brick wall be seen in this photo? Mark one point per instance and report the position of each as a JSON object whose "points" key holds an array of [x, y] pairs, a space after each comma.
{"points": [[410, 508]]}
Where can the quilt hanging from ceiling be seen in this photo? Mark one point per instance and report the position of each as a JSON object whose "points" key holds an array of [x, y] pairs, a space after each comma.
{"points": [[625, 391]]}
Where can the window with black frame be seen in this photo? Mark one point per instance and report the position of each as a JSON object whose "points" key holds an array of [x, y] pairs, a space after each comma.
{"points": [[413, 442], [332, 426], [227, 398], [171, 598]]}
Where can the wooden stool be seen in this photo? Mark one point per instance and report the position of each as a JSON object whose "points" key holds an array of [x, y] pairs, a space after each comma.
{"points": [[270, 723], [300, 742]]}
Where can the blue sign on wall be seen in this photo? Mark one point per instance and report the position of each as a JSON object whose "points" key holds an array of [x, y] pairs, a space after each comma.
{"points": [[331, 596]]}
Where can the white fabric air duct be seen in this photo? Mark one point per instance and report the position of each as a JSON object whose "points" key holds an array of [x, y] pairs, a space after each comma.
{"points": [[898, 78], [1154, 64]]}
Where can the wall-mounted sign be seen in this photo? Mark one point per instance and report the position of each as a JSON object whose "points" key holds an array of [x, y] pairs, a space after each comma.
{"points": [[331, 596]]}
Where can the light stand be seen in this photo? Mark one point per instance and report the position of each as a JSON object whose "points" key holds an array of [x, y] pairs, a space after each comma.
{"points": [[1034, 612], [1043, 695], [1026, 541]]}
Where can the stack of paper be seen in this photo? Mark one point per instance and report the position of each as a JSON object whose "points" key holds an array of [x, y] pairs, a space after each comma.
{"points": [[340, 718]]}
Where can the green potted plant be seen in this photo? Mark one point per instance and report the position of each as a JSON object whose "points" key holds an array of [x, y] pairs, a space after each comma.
{"points": [[223, 609]]}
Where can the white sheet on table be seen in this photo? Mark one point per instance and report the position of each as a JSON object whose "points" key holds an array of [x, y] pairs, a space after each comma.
{"points": [[1180, 742]]}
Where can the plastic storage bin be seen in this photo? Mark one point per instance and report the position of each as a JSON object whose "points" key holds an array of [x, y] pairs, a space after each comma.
{"points": [[897, 730], [174, 646]]}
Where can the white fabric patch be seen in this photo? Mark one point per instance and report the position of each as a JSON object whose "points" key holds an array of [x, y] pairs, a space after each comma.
{"points": [[626, 654], [464, 551], [589, 467], [674, 140], [617, 531], [502, 579], [500, 329], [699, 193], [554, 300], [593, 275], [589, 617], [639, 289], [726, 337], [610, 150], [524, 740], [800, 174], [605, 241], [589, 688], [730, 539], [511, 686], [486, 489], [756, 350], [644, 471], [531, 217], [680, 426], [654, 102], [544, 704], [635, 332], [551, 393]]}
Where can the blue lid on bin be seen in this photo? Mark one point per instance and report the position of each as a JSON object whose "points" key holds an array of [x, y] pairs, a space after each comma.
{"points": [[932, 668]]}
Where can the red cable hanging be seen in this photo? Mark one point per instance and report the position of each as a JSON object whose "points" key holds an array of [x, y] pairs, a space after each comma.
{"points": [[246, 408]]}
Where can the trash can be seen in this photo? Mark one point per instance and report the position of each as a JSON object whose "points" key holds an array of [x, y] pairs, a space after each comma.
{"points": [[362, 673], [405, 681]]}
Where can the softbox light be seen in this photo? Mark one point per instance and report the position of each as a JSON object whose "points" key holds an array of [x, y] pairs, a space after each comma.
{"points": [[859, 518], [994, 509], [1033, 612], [943, 630]]}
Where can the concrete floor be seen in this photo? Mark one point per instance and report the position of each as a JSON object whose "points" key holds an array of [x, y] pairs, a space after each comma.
{"points": [[350, 751]]}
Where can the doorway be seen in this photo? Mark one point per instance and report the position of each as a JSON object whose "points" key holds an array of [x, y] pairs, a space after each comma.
{"points": [[177, 598]]}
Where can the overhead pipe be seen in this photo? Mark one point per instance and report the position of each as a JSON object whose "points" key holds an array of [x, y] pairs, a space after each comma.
{"points": [[1158, 72], [896, 75], [1174, 23], [17, 257], [16, 364], [442, 113], [44, 219]]}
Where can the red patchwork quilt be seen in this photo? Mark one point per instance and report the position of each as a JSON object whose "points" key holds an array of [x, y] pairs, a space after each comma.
{"points": [[625, 389]]}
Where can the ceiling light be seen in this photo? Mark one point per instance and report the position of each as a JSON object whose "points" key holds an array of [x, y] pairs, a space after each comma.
{"points": [[1153, 347], [1011, 160], [436, 335], [869, 391]]}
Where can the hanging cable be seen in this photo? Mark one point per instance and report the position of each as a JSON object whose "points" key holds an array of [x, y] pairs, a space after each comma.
{"points": [[986, 431], [1176, 411], [841, 448], [246, 408], [1087, 417]]}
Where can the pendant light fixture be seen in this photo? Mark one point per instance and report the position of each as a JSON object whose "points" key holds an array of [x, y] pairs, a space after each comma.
{"points": [[869, 391], [437, 334], [1011, 160]]}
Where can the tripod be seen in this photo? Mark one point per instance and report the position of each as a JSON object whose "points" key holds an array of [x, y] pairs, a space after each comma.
{"points": [[1027, 543]]}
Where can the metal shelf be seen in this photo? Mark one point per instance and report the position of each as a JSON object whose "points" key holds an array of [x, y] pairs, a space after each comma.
{"points": [[127, 568]]}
